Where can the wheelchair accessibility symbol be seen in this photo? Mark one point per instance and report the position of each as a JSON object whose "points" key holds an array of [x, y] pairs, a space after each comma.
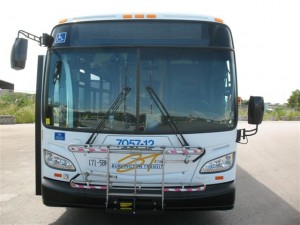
{"points": [[61, 37]]}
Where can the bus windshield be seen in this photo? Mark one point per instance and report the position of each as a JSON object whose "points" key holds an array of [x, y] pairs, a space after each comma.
{"points": [[195, 85]]}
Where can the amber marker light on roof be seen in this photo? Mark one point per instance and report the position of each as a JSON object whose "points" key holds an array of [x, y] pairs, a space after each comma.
{"points": [[63, 21], [139, 16], [151, 16], [127, 16], [219, 20]]}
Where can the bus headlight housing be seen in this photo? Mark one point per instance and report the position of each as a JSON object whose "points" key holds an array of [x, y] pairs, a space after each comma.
{"points": [[57, 162], [220, 164]]}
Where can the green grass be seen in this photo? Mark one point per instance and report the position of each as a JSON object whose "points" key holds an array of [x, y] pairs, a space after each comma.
{"points": [[20, 105], [279, 113]]}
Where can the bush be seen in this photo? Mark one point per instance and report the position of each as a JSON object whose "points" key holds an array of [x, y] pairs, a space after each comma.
{"points": [[277, 113], [20, 105], [25, 114]]}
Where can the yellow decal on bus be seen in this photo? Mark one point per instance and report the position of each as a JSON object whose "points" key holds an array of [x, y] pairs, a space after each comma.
{"points": [[133, 161]]}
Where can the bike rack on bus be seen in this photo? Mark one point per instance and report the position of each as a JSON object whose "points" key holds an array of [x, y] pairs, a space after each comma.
{"points": [[136, 190]]}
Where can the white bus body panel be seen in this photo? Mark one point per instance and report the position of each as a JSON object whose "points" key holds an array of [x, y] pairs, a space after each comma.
{"points": [[176, 171]]}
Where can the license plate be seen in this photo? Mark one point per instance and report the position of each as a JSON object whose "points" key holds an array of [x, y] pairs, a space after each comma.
{"points": [[96, 162]]}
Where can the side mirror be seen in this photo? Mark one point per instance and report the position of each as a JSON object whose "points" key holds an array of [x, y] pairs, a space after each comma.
{"points": [[256, 109], [19, 54]]}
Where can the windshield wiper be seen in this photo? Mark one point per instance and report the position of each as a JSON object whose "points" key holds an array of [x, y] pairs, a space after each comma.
{"points": [[57, 71], [116, 104], [166, 115]]}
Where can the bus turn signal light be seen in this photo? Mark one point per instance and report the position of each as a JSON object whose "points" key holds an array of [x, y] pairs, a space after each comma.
{"points": [[57, 174], [219, 177]]}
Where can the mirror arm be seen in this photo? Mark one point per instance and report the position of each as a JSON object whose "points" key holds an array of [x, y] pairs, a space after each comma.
{"points": [[30, 36], [243, 134], [45, 40], [253, 130]]}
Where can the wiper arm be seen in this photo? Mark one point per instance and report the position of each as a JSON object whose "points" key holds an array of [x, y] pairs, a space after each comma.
{"points": [[57, 71], [116, 104], [166, 115]]}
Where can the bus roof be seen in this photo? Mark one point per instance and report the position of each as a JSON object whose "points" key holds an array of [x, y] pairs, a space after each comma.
{"points": [[145, 16]]}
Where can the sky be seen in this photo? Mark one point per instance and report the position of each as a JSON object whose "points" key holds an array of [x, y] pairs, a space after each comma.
{"points": [[266, 36]]}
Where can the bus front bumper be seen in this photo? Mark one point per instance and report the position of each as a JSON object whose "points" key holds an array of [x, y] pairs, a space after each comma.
{"points": [[215, 197]]}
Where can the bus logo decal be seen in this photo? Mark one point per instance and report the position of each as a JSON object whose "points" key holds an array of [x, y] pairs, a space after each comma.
{"points": [[137, 161], [61, 37]]}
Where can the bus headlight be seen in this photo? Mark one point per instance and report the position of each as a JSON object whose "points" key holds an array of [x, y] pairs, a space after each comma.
{"points": [[57, 162], [220, 164]]}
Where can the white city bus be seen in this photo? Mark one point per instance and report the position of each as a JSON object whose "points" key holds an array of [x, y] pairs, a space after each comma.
{"points": [[137, 112]]}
